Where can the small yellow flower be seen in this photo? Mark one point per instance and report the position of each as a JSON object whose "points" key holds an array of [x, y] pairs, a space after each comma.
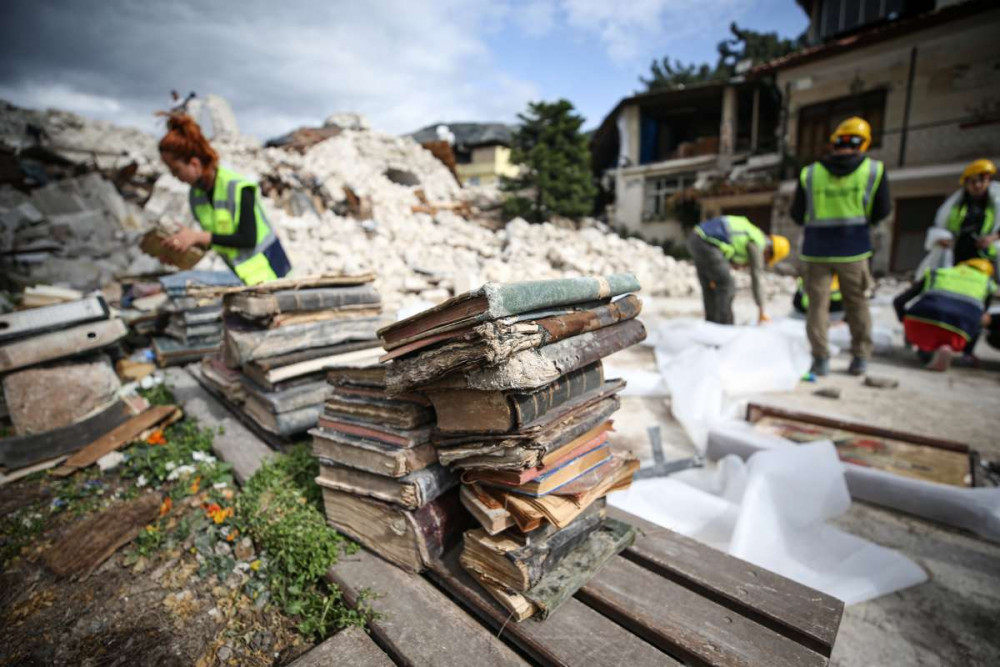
{"points": [[150, 529], [255, 565], [195, 485]]}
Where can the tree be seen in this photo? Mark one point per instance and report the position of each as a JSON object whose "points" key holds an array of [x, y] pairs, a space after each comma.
{"points": [[757, 47], [555, 176]]}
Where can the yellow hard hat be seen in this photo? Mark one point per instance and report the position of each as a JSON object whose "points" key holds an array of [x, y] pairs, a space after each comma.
{"points": [[855, 126], [835, 284], [978, 167], [779, 249], [980, 264]]}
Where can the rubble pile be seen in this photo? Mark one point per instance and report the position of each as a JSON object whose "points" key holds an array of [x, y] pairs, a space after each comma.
{"points": [[358, 201]]}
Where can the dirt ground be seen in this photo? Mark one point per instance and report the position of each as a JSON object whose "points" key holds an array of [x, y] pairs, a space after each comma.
{"points": [[952, 619]]}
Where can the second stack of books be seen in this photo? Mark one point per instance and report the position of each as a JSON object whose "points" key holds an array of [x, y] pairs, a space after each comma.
{"points": [[523, 413], [194, 325]]}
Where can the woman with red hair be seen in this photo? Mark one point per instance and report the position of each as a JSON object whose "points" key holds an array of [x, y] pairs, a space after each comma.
{"points": [[225, 204]]}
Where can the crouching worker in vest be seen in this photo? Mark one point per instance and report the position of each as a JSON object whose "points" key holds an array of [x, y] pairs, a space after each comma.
{"points": [[967, 222], [836, 201], [800, 300], [225, 204], [949, 311], [732, 240]]}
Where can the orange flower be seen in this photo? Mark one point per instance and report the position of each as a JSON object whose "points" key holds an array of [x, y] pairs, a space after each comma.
{"points": [[166, 505], [232, 535], [217, 513], [156, 438], [195, 485]]}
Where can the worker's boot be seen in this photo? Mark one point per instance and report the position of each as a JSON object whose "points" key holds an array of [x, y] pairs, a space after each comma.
{"points": [[858, 366], [820, 366], [941, 361]]}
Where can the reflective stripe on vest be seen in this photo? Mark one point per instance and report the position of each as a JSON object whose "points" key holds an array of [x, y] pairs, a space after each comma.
{"points": [[959, 282]]}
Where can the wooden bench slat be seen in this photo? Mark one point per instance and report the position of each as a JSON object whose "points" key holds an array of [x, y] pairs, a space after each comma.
{"points": [[685, 624], [419, 625], [351, 646], [574, 635], [804, 614]]}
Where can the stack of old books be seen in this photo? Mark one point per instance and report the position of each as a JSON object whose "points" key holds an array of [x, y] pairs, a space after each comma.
{"points": [[194, 325], [279, 337], [382, 483], [523, 409]]}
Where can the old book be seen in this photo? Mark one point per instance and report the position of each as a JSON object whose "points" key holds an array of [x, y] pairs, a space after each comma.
{"points": [[272, 371], [409, 539], [243, 344], [490, 514], [258, 306], [172, 352], [494, 343], [558, 477], [289, 319], [181, 283], [35, 321], [385, 434], [519, 562], [306, 395], [335, 448], [495, 300], [60, 344], [470, 410], [534, 368], [192, 333], [520, 451], [412, 491], [311, 282], [358, 376], [383, 411], [284, 423], [223, 379], [563, 455], [576, 568], [152, 245]]}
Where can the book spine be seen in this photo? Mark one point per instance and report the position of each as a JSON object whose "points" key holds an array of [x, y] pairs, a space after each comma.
{"points": [[531, 406], [516, 298], [542, 560], [578, 351], [571, 324]]}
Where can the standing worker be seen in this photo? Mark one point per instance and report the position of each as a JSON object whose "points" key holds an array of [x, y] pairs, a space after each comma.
{"points": [[967, 223], [225, 204], [836, 201], [732, 239], [948, 315]]}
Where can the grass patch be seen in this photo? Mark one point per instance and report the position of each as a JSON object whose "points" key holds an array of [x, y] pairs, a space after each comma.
{"points": [[279, 508]]}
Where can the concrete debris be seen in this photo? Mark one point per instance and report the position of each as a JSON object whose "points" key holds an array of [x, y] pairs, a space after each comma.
{"points": [[828, 392], [353, 199], [880, 382]]}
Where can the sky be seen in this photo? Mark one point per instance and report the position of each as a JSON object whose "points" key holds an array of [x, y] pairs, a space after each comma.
{"points": [[405, 64]]}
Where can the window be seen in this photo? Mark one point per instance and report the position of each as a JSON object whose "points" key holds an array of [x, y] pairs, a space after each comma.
{"points": [[817, 121], [840, 16], [657, 192]]}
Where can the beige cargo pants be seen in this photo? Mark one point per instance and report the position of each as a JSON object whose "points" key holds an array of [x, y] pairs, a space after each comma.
{"points": [[855, 279]]}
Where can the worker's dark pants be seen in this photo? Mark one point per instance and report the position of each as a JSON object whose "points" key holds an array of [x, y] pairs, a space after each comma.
{"points": [[717, 285]]}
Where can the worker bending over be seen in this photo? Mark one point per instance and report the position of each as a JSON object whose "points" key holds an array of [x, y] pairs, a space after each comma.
{"points": [[966, 225], [225, 204], [836, 201], [949, 311], [732, 240]]}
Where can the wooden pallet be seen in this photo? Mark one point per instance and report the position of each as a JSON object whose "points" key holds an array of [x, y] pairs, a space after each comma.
{"points": [[667, 600]]}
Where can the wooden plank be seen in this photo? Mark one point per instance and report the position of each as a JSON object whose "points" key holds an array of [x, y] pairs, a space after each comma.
{"points": [[350, 646], [233, 443], [683, 623], [39, 320], [118, 437], [418, 624], [92, 541], [574, 635], [801, 613], [25, 450], [59, 344]]}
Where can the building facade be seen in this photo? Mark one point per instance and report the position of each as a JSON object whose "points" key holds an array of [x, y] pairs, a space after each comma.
{"points": [[481, 150]]}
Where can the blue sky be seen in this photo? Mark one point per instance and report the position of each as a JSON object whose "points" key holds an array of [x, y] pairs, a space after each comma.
{"points": [[402, 63]]}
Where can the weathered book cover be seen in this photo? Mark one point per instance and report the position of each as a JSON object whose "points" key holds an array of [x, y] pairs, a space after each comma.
{"points": [[255, 306], [555, 479], [333, 448], [35, 321], [61, 344], [308, 395], [528, 450], [494, 343], [192, 333], [495, 300], [469, 410], [409, 539], [397, 414], [274, 371], [585, 443], [490, 514], [310, 282], [531, 369], [412, 491], [244, 344], [367, 376], [518, 562], [285, 423]]}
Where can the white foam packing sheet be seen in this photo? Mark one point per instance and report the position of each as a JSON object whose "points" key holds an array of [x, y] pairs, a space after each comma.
{"points": [[976, 510], [773, 511]]}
